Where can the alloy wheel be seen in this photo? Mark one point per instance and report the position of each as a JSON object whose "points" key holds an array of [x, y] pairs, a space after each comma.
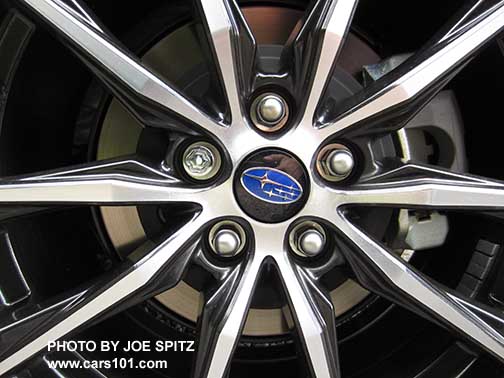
{"points": [[273, 182]]}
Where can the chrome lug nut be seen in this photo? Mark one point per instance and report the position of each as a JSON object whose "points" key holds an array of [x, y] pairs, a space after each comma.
{"points": [[226, 242], [307, 239], [335, 162], [271, 109], [311, 242], [201, 161], [227, 239], [269, 112], [340, 162]]}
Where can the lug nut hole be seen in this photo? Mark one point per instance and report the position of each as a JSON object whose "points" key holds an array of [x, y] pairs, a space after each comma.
{"points": [[335, 162], [269, 112], [201, 161], [227, 239], [308, 239]]}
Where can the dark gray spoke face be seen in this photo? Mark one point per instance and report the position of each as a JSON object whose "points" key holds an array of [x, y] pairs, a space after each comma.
{"points": [[415, 186], [313, 314], [389, 103], [234, 50], [155, 269], [306, 186], [313, 52], [153, 101]]}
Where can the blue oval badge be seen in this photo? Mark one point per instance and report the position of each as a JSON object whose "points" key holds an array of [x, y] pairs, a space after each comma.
{"points": [[271, 185]]}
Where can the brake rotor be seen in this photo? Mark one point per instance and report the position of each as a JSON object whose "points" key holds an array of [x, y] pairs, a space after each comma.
{"points": [[120, 134]]}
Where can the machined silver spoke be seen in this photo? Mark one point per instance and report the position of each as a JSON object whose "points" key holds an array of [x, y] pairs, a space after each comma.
{"points": [[151, 272], [223, 317], [145, 94], [390, 102], [413, 186], [80, 10], [313, 314], [234, 49], [114, 182], [412, 288], [332, 18]]}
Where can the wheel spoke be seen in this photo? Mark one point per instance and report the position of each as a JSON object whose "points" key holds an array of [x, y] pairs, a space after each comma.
{"points": [[223, 318], [146, 95], [77, 9], [234, 49], [12, 212], [152, 272], [381, 271], [313, 314], [316, 47], [390, 102], [112, 182], [426, 187]]}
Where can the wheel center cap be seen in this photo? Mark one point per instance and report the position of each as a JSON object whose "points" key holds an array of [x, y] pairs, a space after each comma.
{"points": [[271, 185]]}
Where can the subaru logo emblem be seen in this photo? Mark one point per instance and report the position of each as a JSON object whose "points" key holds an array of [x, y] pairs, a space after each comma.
{"points": [[271, 185]]}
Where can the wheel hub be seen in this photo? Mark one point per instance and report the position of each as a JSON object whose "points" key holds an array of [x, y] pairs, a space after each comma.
{"points": [[128, 226]]}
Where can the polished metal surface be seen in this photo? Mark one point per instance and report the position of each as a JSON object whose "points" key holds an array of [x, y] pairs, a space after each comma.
{"points": [[201, 161], [225, 307], [269, 112], [225, 22], [311, 242], [340, 162], [335, 18], [227, 239], [307, 239], [271, 109], [226, 243], [335, 162]]}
